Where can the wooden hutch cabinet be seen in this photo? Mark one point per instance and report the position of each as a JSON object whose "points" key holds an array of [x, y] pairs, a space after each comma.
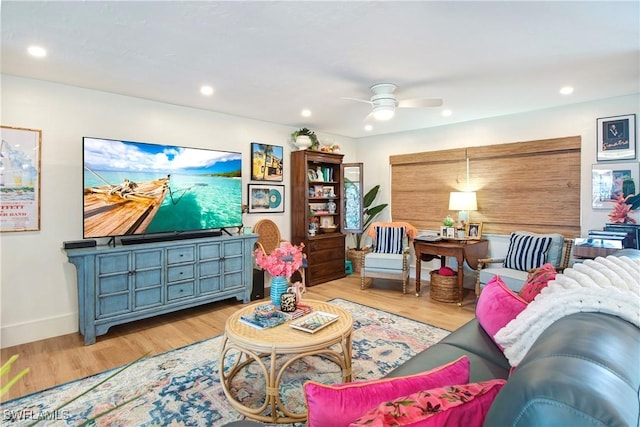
{"points": [[317, 198]]}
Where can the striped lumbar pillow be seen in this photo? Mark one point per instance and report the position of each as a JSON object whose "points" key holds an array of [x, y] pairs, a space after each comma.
{"points": [[389, 240], [526, 251]]}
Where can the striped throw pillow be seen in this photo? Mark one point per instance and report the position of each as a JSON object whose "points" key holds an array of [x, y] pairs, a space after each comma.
{"points": [[389, 240], [526, 251]]}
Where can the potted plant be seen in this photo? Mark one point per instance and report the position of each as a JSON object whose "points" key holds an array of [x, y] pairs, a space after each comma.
{"points": [[305, 138], [369, 214]]}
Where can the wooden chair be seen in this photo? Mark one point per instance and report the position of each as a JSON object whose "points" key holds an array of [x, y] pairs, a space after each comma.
{"points": [[269, 238]]}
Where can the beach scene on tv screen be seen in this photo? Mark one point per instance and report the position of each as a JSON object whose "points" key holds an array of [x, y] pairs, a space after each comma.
{"points": [[139, 188]]}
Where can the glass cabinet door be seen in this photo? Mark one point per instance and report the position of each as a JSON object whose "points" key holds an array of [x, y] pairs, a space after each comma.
{"points": [[352, 173]]}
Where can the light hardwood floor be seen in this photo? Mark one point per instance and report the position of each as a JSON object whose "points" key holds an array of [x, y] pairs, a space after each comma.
{"points": [[65, 358]]}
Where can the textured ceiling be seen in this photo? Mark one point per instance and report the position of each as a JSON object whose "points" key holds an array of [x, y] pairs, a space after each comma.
{"points": [[267, 60]]}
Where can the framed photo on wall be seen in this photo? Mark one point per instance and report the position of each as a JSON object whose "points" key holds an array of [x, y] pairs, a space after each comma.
{"points": [[266, 198], [473, 230], [20, 179], [616, 138], [608, 180], [266, 162]]}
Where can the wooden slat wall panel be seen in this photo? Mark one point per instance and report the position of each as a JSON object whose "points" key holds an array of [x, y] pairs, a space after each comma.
{"points": [[533, 185]]}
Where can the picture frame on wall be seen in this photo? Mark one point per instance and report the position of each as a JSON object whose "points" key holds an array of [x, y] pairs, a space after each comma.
{"points": [[266, 162], [473, 231], [265, 198], [609, 180], [616, 138], [20, 179]]}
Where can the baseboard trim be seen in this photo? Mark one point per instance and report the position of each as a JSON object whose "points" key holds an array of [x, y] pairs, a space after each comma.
{"points": [[39, 329]]}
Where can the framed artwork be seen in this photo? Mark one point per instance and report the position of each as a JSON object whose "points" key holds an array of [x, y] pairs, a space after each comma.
{"points": [[616, 138], [473, 230], [266, 198], [266, 162], [610, 180], [20, 179]]}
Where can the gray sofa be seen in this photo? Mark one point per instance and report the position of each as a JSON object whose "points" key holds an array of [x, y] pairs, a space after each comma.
{"points": [[584, 370]]}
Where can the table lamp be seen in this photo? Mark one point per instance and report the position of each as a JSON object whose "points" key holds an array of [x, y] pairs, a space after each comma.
{"points": [[463, 201]]}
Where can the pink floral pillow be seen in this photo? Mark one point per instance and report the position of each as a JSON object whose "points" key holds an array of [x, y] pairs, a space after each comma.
{"points": [[497, 306], [537, 281], [459, 405], [338, 405]]}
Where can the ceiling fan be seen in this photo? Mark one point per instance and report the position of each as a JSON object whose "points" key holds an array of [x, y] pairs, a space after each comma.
{"points": [[384, 102]]}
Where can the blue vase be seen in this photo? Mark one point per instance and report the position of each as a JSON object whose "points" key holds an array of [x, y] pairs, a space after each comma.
{"points": [[279, 285]]}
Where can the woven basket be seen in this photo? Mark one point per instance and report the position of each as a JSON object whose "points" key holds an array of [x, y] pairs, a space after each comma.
{"points": [[444, 288]]}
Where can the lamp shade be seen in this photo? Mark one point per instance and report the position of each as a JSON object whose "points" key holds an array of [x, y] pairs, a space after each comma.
{"points": [[463, 201]]}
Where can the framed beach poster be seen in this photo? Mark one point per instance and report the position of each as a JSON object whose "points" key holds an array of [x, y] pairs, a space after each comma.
{"points": [[266, 162], [616, 138], [20, 179], [610, 180], [266, 198]]}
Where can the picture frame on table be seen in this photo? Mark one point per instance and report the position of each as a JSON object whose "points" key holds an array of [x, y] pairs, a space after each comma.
{"points": [[616, 138], [266, 162], [608, 181], [265, 198], [473, 231], [20, 180]]}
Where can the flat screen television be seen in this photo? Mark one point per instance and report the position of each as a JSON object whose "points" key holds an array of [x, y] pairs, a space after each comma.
{"points": [[135, 188]]}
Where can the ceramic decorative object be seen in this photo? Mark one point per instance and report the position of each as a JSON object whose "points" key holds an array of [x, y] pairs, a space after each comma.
{"points": [[288, 301], [279, 285], [303, 142]]}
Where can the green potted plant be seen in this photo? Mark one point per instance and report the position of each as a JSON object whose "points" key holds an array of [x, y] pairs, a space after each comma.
{"points": [[305, 138], [369, 214]]}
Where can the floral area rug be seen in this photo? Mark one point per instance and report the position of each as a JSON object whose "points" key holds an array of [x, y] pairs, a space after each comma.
{"points": [[182, 387]]}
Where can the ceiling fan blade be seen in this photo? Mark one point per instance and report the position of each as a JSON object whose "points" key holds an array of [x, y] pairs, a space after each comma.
{"points": [[420, 103], [366, 101]]}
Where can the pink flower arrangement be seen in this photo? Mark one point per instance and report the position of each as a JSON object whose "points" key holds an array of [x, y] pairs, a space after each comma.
{"points": [[283, 261], [621, 211]]}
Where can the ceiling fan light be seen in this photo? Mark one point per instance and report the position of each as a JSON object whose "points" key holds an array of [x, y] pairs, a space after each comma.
{"points": [[383, 112]]}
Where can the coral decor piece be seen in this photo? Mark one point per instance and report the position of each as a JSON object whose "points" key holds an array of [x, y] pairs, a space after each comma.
{"points": [[621, 211], [283, 261]]}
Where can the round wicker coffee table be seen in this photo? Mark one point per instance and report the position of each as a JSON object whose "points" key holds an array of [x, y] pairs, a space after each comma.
{"points": [[252, 345]]}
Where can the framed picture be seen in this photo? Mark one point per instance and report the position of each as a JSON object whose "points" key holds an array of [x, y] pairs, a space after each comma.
{"points": [[473, 230], [610, 180], [616, 138], [266, 198], [266, 162], [20, 179]]}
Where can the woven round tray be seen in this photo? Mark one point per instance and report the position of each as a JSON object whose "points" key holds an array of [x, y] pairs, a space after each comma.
{"points": [[443, 288]]}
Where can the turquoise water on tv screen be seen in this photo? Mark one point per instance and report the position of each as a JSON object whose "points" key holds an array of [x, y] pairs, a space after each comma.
{"points": [[195, 202]]}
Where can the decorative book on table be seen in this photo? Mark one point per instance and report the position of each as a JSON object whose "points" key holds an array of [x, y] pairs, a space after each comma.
{"points": [[315, 321], [275, 319]]}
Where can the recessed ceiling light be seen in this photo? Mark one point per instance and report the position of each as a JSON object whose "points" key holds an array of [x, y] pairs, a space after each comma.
{"points": [[566, 90], [446, 113], [206, 90], [368, 128], [37, 51], [306, 113]]}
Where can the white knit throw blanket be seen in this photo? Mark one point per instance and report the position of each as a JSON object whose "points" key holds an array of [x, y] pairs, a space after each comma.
{"points": [[607, 285]]}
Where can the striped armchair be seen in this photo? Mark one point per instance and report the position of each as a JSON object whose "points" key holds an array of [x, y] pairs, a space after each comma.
{"points": [[389, 254]]}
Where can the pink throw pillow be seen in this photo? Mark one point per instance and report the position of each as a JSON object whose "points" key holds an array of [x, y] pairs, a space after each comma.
{"points": [[459, 405], [497, 306], [537, 281], [339, 404]]}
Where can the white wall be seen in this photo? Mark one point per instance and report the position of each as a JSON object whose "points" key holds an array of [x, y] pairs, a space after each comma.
{"points": [[577, 119], [38, 297]]}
